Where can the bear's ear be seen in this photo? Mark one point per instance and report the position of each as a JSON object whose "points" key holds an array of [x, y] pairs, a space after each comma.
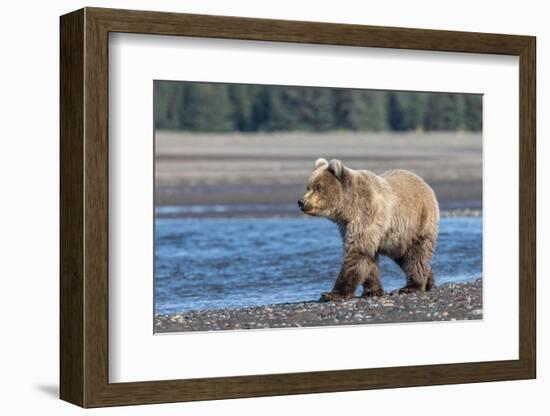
{"points": [[337, 169], [320, 162]]}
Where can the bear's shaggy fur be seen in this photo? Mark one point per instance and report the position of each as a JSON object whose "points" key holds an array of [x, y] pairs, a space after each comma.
{"points": [[395, 214]]}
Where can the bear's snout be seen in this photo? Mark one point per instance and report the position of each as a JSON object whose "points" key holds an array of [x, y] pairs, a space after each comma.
{"points": [[301, 204]]}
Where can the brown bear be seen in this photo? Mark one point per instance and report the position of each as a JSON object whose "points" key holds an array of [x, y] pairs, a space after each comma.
{"points": [[395, 214]]}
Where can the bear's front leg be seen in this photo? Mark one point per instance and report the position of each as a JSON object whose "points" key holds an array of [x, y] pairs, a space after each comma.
{"points": [[357, 266], [372, 286]]}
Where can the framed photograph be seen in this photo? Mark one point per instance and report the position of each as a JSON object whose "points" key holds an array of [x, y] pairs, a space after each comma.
{"points": [[255, 207]]}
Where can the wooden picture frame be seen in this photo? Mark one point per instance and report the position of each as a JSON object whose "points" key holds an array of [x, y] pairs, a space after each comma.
{"points": [[84, 207]]}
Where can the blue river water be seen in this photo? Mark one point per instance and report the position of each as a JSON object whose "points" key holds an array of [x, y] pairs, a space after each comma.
{"points": [[213, 263]]}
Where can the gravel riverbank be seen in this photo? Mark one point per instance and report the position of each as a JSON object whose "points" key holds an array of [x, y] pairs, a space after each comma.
{"points": [[448, 302]]}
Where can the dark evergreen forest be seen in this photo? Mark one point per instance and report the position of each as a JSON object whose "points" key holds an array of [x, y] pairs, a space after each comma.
{"points": [[216, 107]]}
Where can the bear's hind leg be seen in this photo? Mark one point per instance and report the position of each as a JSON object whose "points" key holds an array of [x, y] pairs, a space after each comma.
{"points": [[416, 265], [372, 286], [430, 283]]}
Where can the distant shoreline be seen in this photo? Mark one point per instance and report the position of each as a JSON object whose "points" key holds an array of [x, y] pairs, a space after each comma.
{"points": [[448, 302], [273, 169]]}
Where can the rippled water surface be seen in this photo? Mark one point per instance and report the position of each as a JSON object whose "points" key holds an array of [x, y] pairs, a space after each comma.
{"points": [[217, 263]]}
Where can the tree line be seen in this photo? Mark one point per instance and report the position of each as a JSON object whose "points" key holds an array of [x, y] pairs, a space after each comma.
{"points": [[215, 107]]}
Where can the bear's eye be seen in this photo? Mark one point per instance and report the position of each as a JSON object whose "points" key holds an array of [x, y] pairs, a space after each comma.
{"points": [[317, 188]]}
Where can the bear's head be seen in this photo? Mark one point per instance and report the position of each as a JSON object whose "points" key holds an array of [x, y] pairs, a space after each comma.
{"points": [[324, 196]]}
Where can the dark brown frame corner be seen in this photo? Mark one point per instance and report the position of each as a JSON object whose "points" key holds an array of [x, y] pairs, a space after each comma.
{"points": [[84, 209]]}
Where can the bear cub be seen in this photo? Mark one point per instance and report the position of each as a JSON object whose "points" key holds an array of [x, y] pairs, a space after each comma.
{"points": [[395, 214]]}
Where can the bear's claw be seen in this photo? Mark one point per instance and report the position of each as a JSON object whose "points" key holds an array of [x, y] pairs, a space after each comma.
{"points": [[409, 289], [332, 297], [372, 293]]}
